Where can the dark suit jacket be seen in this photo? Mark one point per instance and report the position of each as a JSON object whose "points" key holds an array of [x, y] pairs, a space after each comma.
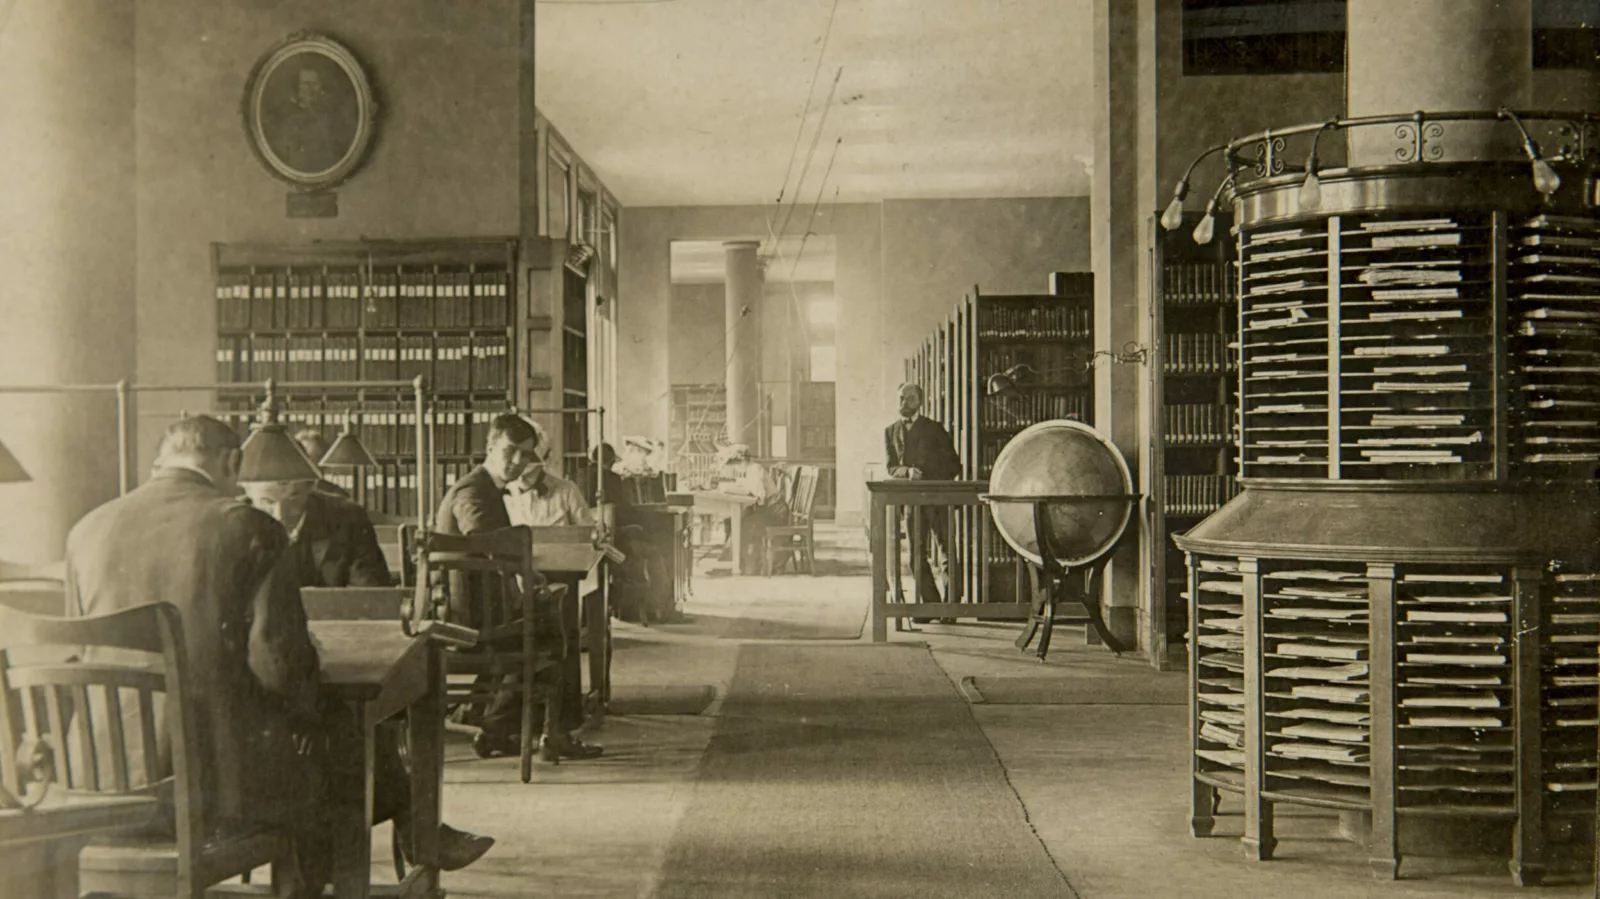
{"points": [[338, 547], [926, 446], [253, 671], [474, 504]]}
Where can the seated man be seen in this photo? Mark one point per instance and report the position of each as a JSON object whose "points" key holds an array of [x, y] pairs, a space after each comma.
{"points": [[540, 499], [743, 476], [475, 504], [184, 537], [642, 573], [332, 544]]}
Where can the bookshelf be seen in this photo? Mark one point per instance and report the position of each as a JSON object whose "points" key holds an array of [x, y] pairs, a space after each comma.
{"points": [[443, 310], [698, 425], [1194, 320], [1053, 334], [1402, 602]]}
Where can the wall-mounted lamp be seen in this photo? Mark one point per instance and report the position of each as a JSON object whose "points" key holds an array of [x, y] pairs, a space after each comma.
{"points": [[1010, 382], [1545, 179]]}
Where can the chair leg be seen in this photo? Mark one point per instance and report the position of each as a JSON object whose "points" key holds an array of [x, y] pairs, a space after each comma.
{"points": [[399, 853], [527, 738]]}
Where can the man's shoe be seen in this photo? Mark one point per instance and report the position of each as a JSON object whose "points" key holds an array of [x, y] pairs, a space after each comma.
{"points": [[553, 750], [488, 745], [457, 848]]}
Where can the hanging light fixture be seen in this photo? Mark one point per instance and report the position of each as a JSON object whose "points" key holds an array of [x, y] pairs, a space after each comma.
{"points": [[1311, 188], [347, 451], [1545, 179], [270, 453], [11, 471], [1172, 217], [1207, 228]]}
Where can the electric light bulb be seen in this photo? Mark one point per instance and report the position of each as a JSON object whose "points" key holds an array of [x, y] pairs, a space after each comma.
{"points": [[1545, 179], [1172, 218], [1204, 230], [1311, 192]]}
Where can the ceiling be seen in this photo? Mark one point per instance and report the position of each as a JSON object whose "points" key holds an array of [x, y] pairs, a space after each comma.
{"points": [[705, 261], [700, 102]]}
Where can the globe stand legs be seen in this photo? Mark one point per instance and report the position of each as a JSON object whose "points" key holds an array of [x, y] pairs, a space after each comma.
{"points": [[1052, 582]]}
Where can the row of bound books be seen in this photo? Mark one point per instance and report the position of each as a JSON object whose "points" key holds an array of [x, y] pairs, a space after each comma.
{"points": [[340, 300], [1067, 320], [1196, 283], [451, 363]]}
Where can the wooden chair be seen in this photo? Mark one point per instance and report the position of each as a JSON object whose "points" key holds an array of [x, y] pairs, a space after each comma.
{"points": [[510, 601], [798, 539], [94, 733], [16, 572]]}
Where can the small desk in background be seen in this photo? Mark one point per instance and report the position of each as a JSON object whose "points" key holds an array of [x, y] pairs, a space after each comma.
{"points": [[730, 506]]}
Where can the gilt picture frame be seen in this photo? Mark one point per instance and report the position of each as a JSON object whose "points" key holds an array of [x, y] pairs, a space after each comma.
{"points": [[309, 112]]}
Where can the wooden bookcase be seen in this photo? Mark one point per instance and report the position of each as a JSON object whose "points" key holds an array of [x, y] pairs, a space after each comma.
{"points": [[1194, 322], [374, 312], [986, 335]]}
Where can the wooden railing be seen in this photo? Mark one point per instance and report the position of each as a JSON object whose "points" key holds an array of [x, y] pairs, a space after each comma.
{"points": [[980, 567]]}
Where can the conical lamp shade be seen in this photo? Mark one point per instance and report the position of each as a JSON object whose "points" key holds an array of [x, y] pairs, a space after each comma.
{"points": [[11, 471], [347, 452], [272, 455]]}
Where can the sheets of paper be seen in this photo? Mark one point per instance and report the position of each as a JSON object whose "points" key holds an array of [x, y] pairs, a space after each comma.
{"points": [[1323, 651], [1455, 617], [1475, 722], [1293, 749], [1331, 693], [1328, 673], [1325, 731]]}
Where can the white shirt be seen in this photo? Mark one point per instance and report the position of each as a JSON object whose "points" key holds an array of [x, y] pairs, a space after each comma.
{"points": [[562, 504]]}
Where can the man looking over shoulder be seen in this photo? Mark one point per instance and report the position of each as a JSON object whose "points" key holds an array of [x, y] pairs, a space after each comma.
{"points": [[918, 447], [475, 504], [540, 499]]}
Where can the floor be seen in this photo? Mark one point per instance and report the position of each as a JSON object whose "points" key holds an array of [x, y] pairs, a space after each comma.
{"points": [[1103, 785]]}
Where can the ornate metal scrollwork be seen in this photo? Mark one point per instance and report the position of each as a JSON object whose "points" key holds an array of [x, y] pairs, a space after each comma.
{"points": [[1269, 156], [1431, 144], [1577, 139]]}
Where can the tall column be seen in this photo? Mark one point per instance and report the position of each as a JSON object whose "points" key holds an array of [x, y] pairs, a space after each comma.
{"points": [[742, 305], [66, 259], [1438, 56], [1123, 87]]}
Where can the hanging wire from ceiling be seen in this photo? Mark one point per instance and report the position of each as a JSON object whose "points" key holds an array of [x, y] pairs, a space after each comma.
{"points": [[805, 111]]}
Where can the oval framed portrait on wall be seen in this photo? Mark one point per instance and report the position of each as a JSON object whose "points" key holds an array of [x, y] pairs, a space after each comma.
{"points": [[309, 111]]}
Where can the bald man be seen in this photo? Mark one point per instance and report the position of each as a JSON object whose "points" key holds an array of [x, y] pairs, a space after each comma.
{"points": [[920, 448]]}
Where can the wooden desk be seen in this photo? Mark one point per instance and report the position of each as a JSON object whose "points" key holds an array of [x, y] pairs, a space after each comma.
{"points": [[570, 563], [378, 672], [730, 506]]}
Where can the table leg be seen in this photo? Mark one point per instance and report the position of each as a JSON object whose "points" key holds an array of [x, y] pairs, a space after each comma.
{"points": [[352, 861], [597, 618], [877, 548], [572, 664], [736, 536], [425, 738]]}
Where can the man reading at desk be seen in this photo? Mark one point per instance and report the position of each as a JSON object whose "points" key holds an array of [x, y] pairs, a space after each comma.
{"points": [[186, 538], [475, 504]]}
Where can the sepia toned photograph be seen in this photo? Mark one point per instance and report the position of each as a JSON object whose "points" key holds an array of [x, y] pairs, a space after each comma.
{"points": [[743, 449]]}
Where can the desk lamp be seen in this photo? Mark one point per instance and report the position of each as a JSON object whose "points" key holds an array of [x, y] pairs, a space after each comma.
{"points": [[270, 453]]}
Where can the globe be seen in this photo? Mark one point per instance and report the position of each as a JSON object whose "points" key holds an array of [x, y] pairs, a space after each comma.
{"points": [[1061, 459]]}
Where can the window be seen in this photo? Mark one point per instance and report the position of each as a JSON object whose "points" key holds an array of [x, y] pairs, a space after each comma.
{"points": [[558, 196], [822, 363]]}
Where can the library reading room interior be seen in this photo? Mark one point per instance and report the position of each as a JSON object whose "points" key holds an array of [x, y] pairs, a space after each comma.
{"points": [[706, 449]]}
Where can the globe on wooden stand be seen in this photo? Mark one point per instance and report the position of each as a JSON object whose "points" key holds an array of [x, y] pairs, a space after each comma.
{"points": [[1061, 496]]}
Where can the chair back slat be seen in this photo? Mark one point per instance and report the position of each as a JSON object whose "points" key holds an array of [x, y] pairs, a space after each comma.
{"points": [[118, 747], [805, 493], [131, 629], [83, 674], [149, 748], [498, 566], [56, 726], [87, 724]]}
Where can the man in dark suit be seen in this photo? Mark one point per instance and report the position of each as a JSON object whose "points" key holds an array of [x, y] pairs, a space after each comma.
{"points": [[919, 447], [476, 504], [332, 544], [315, 447], [331, 539]]}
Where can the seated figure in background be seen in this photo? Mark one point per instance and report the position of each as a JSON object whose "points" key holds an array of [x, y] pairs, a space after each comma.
{"points": [[743, 476], [643, 573], [331, 538], [315, 446]]}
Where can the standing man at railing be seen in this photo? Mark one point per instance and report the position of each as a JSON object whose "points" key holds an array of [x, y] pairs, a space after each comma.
{"points": [[920, 448]]}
